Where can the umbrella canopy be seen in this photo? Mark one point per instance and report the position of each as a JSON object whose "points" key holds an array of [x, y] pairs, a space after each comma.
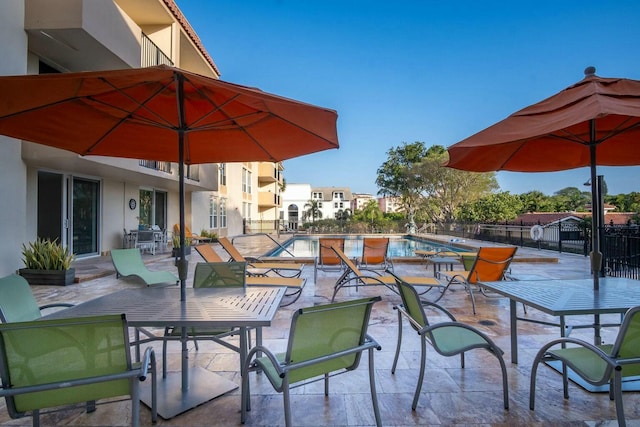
{"points": [[594, 122], [162, 113]]}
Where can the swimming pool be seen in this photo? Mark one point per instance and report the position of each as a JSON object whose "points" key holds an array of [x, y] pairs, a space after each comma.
{"points": [[399, 246]]}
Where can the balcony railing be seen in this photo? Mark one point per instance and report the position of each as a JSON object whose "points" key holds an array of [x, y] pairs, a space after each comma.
{"points": [[192, 172], [156, 165], [151, 54]]}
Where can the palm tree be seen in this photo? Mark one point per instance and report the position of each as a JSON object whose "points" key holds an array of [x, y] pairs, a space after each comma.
{"points": [[312, 210]]}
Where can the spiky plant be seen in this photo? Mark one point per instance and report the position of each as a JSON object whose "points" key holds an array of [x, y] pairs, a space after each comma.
{"points": [[44, 254]]}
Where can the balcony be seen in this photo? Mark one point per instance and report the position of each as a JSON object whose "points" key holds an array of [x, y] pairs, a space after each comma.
{"points": [[152, 55], [268, 200], [269, 173]]}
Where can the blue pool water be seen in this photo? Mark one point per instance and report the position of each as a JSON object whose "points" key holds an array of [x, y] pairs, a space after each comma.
{"points": [[399, 246]]}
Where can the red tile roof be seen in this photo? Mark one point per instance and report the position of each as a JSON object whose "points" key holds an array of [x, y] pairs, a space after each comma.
{"points": [[173, 7]]}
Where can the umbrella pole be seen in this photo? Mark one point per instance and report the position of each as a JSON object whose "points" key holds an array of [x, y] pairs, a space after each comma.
{"points": [[183, 264], [596, 255]]}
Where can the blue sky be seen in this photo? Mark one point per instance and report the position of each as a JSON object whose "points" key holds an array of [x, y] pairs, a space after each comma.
{"points": [[431, 71]]}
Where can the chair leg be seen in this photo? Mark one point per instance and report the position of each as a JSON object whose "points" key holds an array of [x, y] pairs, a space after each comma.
{"points": [[532, 382], [423, 360], [135, 405], [287, 402], [164, 358], [372, 385], [395, 359], [505, 385], [473, 300], [245, 393], [326, 384], [617, 390], [565, 381]]}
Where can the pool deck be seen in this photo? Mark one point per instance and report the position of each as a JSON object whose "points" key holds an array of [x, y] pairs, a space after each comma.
{"points": [[450, 396]]}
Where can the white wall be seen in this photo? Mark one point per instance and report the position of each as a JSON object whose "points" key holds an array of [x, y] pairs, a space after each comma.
{"points": [[13, 191], [295, 194]]}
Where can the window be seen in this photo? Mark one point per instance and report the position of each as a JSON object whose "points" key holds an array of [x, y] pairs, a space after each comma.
{"points": [[153, 208], [246, 181], [213, 212], [338, 195], [246, 211], [222, 168], [223, 213], [316, 195], [319, 205]]}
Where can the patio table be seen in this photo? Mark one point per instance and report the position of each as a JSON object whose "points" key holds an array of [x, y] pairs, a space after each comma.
{"points": [[439, 261], [567, 297], [252, 307]]}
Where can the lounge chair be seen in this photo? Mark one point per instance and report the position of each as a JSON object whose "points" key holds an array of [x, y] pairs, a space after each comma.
{"points": [[210, 275], [597, 365], [194, 238], [17, 303], [128, 262], [51, 363], [447, 338], [293, 284], [374, 254], [327, 260], [354, 278], [324, 341], [283, 269], [489, 265]]}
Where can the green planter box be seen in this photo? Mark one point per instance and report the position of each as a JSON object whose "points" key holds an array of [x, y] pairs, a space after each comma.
{"points": [[49, 277]]}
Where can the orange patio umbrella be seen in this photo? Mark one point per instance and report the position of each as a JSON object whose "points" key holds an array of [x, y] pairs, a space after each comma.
{"points": [[162, 113], [594, 122]]}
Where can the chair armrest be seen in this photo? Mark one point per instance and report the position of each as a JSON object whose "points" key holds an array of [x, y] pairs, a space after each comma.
{"points": [[438, 307], [148, 362], [56, 305]]}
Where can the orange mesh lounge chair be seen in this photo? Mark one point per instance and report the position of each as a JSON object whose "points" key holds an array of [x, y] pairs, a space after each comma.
{"points": [[327, 260], [293, 284], [374, 254], [354, 278], [283, 269], [490, 265]]}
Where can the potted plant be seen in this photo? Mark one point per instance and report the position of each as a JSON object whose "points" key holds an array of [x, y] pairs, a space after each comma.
{"points": [[47, 263], [176, 246]]}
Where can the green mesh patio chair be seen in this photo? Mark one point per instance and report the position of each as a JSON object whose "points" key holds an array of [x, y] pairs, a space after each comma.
{"points": [[324, 341], [46, 364], [447, 338], [17, 303], [209, 275], [128, 262], [597, 365]]}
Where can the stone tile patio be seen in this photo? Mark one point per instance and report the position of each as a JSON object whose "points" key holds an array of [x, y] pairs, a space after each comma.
{"points": [[450, 395]]}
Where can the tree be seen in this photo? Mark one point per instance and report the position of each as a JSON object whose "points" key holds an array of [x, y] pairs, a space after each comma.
{"points": [[445, 189], [343, 214], [312, 210], [416, 175], [535, 201], [571, 199], [497, 207], [370, 213], [399, 176]]}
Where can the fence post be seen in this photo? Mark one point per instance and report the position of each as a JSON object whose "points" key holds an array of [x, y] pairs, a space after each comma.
{"points": [[560, 236]]}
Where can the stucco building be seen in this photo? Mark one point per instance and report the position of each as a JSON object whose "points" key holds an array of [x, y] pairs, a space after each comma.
{"points": [[88, 203]]}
